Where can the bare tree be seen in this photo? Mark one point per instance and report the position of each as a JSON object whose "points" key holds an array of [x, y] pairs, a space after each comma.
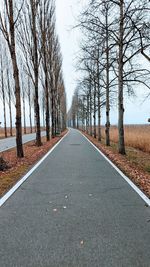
{"points": [[10, 97], [46, 24], [29, 43], [7, 26], [34, 9], [29, 94], [3, 95], [122, 39], [23, 93]]}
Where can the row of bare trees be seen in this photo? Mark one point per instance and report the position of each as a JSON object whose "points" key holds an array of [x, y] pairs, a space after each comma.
{"points": [[114, 60], [31, 67]]}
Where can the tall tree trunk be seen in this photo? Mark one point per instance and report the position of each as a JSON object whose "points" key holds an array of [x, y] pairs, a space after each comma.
{"points": [[18, 111], [43, 111], [52, 111], [99, 116], [24, 111], [4, 100], [90, 99], [99, 98], [107, 129], [83, 125], [59, 117], [36, 73], [77, 111], [9, 103], [55, 114], [94, 115], [47, 112], [121, 145], [30, 109], [17, 84], [87, 115]]}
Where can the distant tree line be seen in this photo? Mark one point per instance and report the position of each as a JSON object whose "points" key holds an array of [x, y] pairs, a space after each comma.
{"points": [[31, 68], [116, 37]]}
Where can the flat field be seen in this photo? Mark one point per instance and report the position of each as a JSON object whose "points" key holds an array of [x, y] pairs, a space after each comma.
{"points": [[136, 136]]}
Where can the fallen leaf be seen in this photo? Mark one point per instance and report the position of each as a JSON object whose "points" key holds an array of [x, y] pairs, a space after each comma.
{"points": [[55, 210]]}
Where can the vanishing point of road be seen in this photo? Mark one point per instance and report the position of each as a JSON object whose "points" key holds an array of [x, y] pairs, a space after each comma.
{"points": [[75, 210]]}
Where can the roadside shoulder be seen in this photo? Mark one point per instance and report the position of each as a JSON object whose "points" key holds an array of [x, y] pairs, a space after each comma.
{"points": [[138, 179]]}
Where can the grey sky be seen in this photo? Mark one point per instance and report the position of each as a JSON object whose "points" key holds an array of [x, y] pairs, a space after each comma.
{"points": [[66, 14]]}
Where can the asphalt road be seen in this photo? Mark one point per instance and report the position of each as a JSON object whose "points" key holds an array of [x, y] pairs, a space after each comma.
{"points": [[75, 210], [10, 142]]}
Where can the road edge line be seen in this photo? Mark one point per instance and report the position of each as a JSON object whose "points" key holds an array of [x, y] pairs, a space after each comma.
{"points": [[27, 175], [136, 189]]}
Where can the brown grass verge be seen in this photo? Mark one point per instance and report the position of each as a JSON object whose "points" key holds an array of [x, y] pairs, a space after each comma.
{"points": [[135, 164], [19, 167]]}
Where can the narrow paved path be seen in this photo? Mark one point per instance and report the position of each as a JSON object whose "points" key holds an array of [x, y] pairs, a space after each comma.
{"points": [[10, 142], [75, 211]]}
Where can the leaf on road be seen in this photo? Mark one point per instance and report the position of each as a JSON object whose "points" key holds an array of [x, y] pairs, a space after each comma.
{"points": [[54, 210]]}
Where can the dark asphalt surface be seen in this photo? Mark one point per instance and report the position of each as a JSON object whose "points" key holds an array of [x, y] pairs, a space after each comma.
{"points": [[75, 211], [10, 142]]}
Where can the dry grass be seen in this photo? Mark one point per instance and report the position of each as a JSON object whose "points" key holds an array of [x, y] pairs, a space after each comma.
{"points": [[137, 136]]}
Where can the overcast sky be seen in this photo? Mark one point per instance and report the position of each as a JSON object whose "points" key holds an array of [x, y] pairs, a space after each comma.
{"points": [[66, 14]]}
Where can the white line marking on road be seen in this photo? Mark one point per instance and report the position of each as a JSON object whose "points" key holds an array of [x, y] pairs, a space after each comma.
{"points": [[24, 178], [138, 191]]}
